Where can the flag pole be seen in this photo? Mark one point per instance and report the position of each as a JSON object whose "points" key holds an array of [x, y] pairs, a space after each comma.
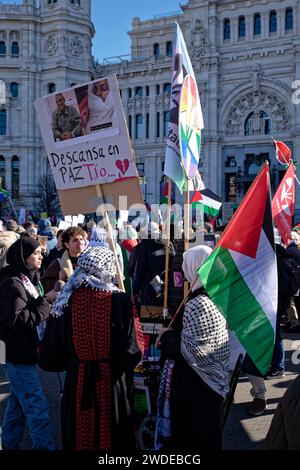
{"points": [[168, 231], [296, 178], [186, 230], [13, 208], [110, 238]]}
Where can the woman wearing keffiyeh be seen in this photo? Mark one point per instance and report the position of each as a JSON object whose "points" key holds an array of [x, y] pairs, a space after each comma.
{"points": [[95, 334], [199, 346]]}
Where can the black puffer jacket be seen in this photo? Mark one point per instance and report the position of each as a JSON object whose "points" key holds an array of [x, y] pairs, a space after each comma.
{"points": [[20, 313], [151, 257]]}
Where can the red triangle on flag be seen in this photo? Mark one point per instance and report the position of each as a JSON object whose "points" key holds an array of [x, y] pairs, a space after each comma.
{"points": [[243, 232], [196, 197], [283, 152]]}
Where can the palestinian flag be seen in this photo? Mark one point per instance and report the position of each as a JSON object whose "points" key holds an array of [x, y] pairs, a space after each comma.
{"points": [[283, 152], [240, 275], [3, 194], [208, 201], [164, 196]]}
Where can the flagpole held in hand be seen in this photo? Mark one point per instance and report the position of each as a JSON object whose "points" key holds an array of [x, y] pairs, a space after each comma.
{"points": [[165, 310]]}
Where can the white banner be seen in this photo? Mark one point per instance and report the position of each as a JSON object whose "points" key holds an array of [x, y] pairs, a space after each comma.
{"points": [[85, 135]]}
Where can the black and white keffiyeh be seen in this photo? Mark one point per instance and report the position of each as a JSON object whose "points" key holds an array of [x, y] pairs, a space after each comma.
{"points": [[205, 343], [96, 268]]}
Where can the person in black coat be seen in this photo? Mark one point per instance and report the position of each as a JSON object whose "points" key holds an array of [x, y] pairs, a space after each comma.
{"points": [[23, 309], [151, 258], [94, 334]]}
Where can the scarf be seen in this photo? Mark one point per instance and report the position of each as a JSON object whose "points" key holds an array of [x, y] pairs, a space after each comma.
{"points": [[35, 292], [96, 268], [192, 260], [205, 343], [163, 417]]}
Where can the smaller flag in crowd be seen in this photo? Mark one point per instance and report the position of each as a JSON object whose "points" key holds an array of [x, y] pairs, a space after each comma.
{"points": [[164, 196], [3, 194], [283, 204], [283, 152], [208, 201]]}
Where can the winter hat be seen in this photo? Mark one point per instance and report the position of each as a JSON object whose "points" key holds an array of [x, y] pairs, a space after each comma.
{"points": [[43, 224], [11, 225]]}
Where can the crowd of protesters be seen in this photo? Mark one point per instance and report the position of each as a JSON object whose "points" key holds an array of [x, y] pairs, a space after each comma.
{"points": [[61, 307]]}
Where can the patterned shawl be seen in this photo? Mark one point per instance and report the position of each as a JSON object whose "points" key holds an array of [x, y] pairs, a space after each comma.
{"points": [[205, 343], [96, 268]]}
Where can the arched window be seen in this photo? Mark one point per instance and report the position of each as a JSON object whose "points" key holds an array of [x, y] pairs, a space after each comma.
{"points": [[3, 122], [15, 49], [166, 122], [157, 88], [167, 87], [169, 48], [242, 27], [257, 24], [156, 51], [2, 172], [129, 93], [226, 29], [139, 91], [273, 22], [51, 87], [139, 126], [15, 176], [14, 89], [289, 20], [2, 48], [258, 123]]}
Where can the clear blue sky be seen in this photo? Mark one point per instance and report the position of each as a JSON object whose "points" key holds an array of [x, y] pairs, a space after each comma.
{"points": [[112, 20]]}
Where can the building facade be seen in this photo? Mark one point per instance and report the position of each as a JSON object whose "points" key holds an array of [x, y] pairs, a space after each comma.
{"points": [[246, 57], [44, 46]]}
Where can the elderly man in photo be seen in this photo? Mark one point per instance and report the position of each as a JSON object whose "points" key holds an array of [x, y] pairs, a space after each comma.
{"points": [[66, 120]]}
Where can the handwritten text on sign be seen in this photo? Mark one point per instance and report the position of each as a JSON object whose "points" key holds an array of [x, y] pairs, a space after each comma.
{"points": [[94, 165]]}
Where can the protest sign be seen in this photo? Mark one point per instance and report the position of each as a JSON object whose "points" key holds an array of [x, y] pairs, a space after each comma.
{"points": [[87, 144]]}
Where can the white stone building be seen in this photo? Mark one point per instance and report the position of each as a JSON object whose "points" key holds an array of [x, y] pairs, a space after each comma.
{"points": [[45, 46], [246, 56]]}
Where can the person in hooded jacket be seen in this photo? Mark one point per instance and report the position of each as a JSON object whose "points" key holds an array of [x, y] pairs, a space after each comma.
{"points": [[23, 309]]}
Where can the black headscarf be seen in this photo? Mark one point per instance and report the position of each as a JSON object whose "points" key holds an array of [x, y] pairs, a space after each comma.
{"points": [[16, 257]]}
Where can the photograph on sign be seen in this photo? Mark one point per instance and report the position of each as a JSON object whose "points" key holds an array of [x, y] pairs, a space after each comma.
{"points": [[83, 110], [85, 135]]}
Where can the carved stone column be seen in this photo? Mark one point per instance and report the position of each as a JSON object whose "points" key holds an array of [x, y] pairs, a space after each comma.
{"points": [[8, 172]]}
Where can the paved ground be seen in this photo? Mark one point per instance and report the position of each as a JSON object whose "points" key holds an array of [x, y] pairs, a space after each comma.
{"points": [[242, 432]]}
